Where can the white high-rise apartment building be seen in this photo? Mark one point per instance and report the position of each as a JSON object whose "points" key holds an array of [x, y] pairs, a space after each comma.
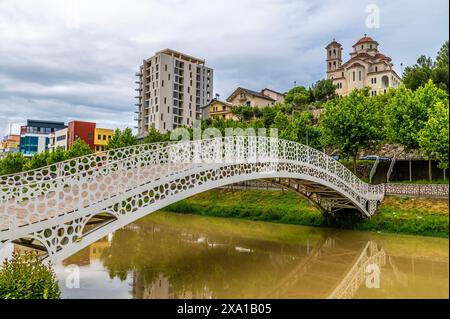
{"points": [[172, 89]]}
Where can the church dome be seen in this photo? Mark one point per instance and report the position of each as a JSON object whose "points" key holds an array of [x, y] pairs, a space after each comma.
{"points": [[365, 39]]}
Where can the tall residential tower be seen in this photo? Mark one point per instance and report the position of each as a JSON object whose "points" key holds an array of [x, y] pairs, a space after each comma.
{"points": [[172, 89]]}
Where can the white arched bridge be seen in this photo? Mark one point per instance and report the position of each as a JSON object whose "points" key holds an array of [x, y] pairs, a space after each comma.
{"points": [[64, 207]]}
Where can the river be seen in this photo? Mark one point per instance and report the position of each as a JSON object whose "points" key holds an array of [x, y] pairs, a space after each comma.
{"points": [[182, 256]]}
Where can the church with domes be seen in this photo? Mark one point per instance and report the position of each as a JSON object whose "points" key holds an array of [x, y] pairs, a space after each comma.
{"points": [[367, 67]]}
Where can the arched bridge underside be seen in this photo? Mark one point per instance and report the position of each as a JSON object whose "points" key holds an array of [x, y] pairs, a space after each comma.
{"points": [[65, 207]]}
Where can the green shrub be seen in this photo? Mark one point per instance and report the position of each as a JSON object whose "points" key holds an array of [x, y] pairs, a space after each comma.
{"points": [[26, 277]]}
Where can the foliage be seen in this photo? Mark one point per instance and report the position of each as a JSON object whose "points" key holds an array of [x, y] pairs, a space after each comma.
{"points": [[407, 113], [292, 93], [434, 137], [426, 69], [26, 277], [403, 118], [58, 155], [352, 123], [79, 148], [154, 136], [12, 163], [122, 139], [324, 90], [38, 160]]}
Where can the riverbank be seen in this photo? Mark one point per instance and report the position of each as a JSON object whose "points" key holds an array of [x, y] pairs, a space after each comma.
{"points": [[406, 215]]}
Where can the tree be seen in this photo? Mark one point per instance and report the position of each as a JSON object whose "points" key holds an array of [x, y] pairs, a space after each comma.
{"points": [[289, 98], [154, 136], [416, 76], [284, 126], [352, 123], [37, 161], [434, 136], [324, 90], [24, 276], [301, 100], [122, 139], [407, 113], [404, 118], [442, 57], [426, 69], [12, 163], [305, 132], [79, 148], [440, 74], [58, 155]]}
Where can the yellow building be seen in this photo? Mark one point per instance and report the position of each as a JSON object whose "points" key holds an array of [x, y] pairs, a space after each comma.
{"points": [[218, 109], [9, 144], [248, 97], [101, 138]]}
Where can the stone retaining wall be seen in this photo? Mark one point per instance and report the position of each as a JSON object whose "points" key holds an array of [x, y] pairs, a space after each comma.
{"points": [[422, 190]]}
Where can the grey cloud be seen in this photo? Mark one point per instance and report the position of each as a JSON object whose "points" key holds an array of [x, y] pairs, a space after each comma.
{"points": [[51, 71]]}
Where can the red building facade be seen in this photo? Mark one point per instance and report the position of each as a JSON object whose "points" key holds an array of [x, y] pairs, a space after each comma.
{"points": [[82, 130]]}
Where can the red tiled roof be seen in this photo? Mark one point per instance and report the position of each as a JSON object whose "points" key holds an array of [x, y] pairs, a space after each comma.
{"points": [[382, 57], [356, 64], [365, 39]]}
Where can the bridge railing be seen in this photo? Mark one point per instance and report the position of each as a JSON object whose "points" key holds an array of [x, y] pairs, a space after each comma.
{"points": [[73, 166], [134, 167]]}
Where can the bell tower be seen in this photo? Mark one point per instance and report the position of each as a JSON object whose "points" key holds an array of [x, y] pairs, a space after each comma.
{"points": [[334, 56]]}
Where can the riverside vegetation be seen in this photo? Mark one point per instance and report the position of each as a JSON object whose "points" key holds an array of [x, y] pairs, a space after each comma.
{"points": [[407, 215]]}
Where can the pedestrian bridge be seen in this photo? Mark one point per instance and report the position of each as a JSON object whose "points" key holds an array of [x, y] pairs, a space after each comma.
{"points": [[64, 207]]}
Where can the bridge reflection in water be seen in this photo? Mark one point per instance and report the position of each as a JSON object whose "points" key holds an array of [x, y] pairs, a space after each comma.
{"points": [[172, 256]]}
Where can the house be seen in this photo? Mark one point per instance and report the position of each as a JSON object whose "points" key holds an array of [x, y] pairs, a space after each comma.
{"points": [[218, 109], [247, 97]]}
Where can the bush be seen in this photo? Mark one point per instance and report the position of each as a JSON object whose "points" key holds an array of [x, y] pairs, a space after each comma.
{"points": [[26, 277]]}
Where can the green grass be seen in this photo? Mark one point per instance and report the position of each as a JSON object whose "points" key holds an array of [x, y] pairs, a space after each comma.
{"points": [[417, 216], [407, 215]]}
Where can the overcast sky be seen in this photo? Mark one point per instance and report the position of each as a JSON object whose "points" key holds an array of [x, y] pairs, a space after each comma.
{"points": [[76, 59]]}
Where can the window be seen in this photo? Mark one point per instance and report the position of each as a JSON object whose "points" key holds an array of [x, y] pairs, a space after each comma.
{"points": [[99, 137], [89, 136], [376, 69], [104, 137], [354, 76], [360, 76], [248, 103]]}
